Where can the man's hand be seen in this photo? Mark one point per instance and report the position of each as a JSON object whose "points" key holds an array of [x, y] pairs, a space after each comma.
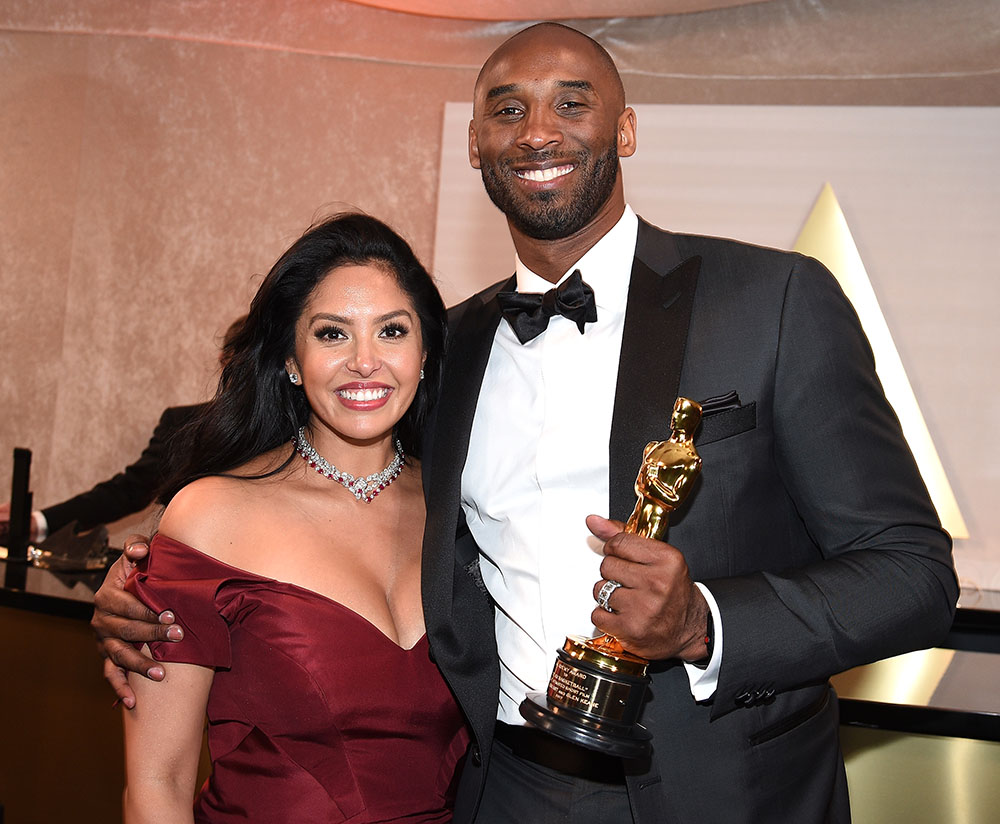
{"points": [[120, 620], [658, 611]]}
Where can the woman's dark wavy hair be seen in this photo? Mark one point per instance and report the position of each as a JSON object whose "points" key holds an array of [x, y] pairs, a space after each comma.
{"points": [[256, 408]]}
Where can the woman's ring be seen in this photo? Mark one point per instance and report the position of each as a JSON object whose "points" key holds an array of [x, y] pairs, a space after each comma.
{"points": [[605, 594]]}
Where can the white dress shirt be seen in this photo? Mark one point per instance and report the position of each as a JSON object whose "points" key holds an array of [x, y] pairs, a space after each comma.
{"points": [[538, 464]]}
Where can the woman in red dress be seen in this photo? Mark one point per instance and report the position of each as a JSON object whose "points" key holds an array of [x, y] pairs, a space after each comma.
{"points": [[290, 553]]}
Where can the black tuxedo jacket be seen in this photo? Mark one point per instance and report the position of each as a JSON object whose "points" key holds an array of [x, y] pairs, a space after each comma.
{"points": [[810, 525], [130, 490]]}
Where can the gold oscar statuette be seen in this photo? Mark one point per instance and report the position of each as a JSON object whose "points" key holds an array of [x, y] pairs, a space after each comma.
{"points": [[597, 687]]}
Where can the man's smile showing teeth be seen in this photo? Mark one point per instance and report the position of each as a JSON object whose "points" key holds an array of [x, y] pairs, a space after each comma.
{"points": [[542, 175], [364, 394]]}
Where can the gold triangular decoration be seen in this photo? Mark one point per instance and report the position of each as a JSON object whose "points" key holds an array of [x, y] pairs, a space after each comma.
{"points": [[827, 237]]}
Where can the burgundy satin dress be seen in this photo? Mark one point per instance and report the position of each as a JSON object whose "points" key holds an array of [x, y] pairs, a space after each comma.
{"points": [[314, 714]]}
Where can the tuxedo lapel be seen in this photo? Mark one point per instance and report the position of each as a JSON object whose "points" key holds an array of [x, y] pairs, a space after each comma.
{"points": [[469, 348], [470, 341], [657, 315]]}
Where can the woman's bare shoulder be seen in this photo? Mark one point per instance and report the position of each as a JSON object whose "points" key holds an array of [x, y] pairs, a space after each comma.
{"points": [[215, 513], [202, 512]]}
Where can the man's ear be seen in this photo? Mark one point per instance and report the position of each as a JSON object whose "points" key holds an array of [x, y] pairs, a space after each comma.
{"points": [[473, 146], [626, 133]]}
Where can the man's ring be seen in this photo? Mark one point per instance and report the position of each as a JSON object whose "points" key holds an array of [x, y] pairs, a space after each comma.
{"points": [[605, 594]]}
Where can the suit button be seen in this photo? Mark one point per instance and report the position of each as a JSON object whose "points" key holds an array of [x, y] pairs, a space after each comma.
{"points": [[476, 756], [744, 699]]}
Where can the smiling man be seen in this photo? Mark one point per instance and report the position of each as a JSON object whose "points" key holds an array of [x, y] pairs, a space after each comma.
{"points": [[546, 134], [808, 546], [509, 139]]}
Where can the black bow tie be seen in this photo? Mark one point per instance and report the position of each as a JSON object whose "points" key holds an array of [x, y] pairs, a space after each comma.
{"points": [[528, 313]]}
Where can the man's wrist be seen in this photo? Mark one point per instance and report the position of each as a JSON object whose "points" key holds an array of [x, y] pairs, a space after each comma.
{"points": [[709, 642], [699, 650], [709, 635]]}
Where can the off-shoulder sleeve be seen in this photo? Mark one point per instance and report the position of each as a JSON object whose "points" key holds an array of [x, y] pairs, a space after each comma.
{"points": [[177, 577]]}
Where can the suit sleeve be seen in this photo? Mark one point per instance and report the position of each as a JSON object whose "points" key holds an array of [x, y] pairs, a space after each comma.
{"points": [[129, 491], [884, 582]]}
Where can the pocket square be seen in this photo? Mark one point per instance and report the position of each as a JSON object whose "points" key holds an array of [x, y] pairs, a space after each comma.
{"points": [[724, 416], [720, 403]]}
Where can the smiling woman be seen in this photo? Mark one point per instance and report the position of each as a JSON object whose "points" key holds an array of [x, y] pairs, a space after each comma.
{"points": [[358, 352], [315, 299], [338, 361]]}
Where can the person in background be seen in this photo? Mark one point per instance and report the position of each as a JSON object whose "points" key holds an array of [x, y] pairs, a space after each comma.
{"points": [[131, 490]]}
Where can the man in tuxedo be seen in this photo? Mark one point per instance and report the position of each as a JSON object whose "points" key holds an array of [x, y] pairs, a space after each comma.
{"points": [[808, 545]]}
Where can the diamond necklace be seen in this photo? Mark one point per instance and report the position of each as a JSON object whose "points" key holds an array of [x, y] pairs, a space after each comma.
{"points": [[364, 489]]}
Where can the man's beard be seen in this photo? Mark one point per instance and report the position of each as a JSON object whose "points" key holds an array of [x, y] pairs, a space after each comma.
{"points": [[535, 215]]}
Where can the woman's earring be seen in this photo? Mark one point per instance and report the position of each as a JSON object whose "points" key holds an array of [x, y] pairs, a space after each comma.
{"points": [[294, 378], [421, 374]]}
